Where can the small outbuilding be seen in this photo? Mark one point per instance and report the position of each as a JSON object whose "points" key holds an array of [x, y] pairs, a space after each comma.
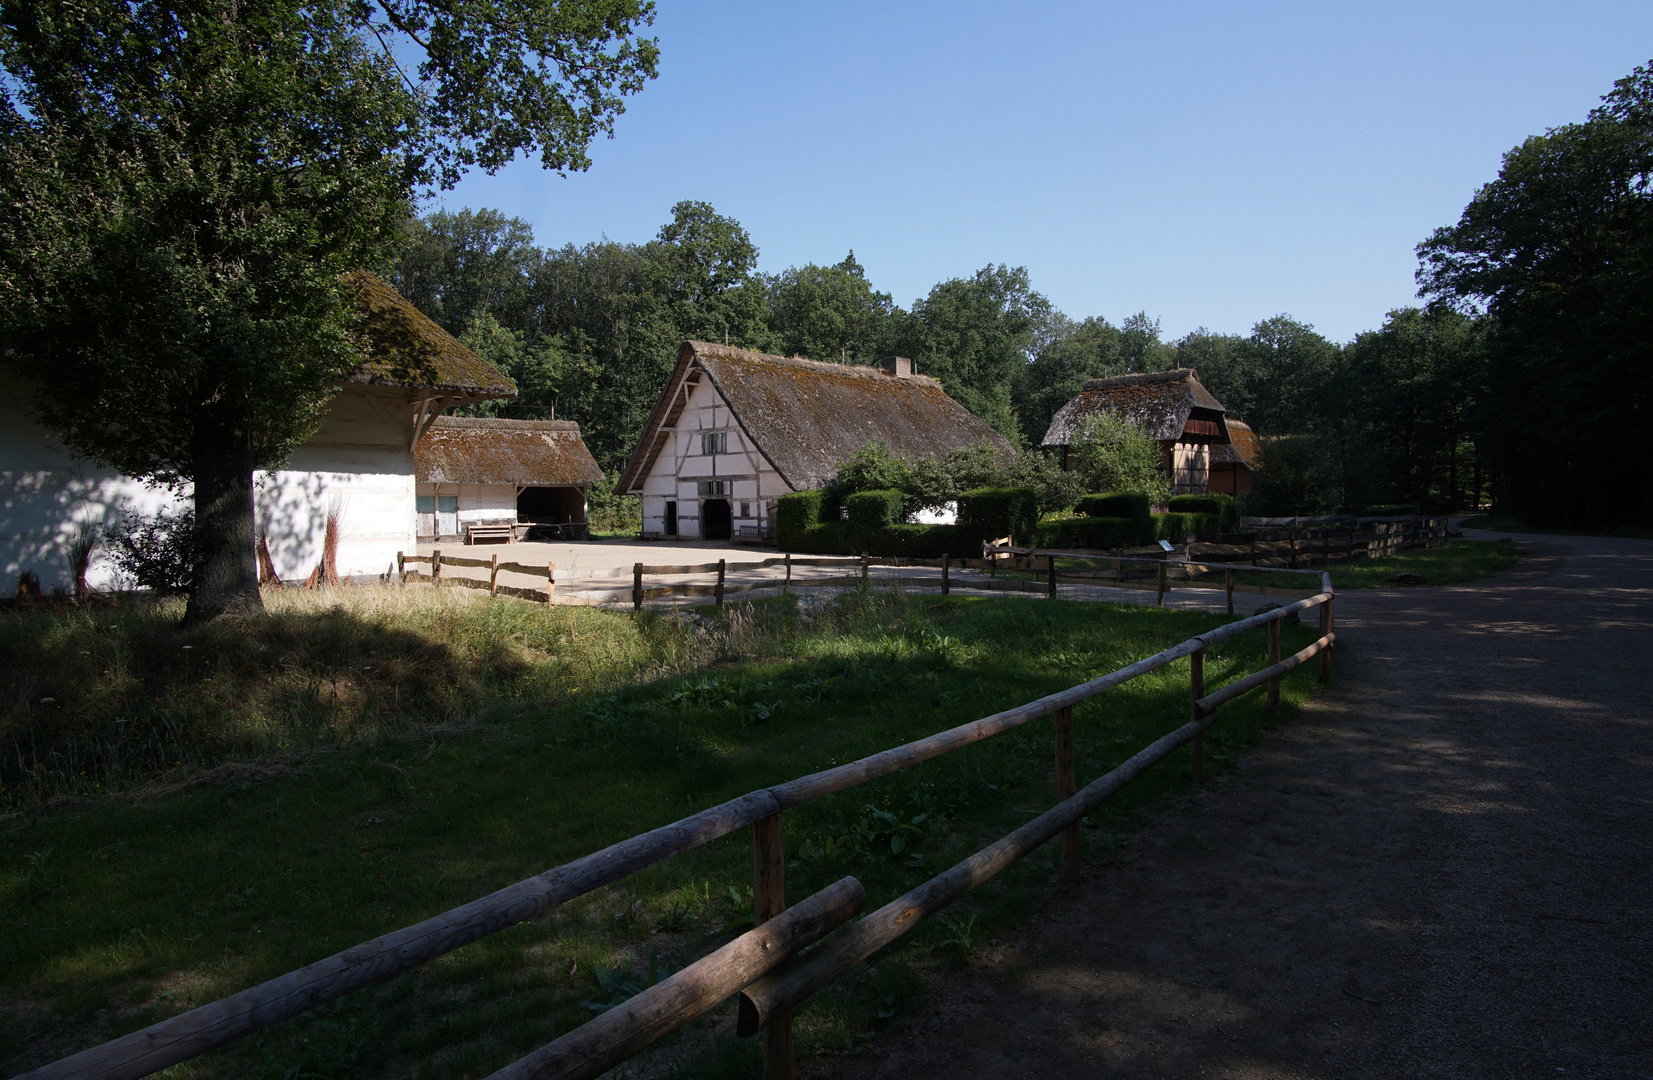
{"points": [[735, 430], [481, 477], [1170, 406], [1233, 464]]}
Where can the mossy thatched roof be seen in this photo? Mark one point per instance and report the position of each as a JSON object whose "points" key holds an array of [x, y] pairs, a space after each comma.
{"points": [[1168, 405], [407, 348]]}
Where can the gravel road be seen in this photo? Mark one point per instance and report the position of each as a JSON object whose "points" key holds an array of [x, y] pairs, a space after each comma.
{"points": [[1442, 868]]}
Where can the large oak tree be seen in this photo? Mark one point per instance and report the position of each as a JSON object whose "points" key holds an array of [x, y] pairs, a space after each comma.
{"points": [[182, 183]]}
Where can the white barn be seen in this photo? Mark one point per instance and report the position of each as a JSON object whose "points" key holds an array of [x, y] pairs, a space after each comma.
{"points": [[480, 471], [360, 462], [735, 430]]}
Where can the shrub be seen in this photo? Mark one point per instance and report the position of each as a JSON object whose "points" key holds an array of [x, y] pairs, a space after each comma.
{"points": [[1293, 477], [795, 514], [925, 542], [1113, 453], [989, 513], [827, 538], [155, 553], [1089, 532], [1132, 506], [1179, 528], [870, 513], [1222, 507], [613, 512]]}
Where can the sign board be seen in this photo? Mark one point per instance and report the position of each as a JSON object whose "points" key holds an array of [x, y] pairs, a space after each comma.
{"points": [[1165, 545]]}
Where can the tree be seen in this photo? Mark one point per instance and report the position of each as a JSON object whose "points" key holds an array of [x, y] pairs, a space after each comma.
{"points": [[1558, 250], [185, 183], [1070, 355], [1294, 477], [1111, 453], [829, 312], [455, 266], [704, 265], [1284, 365], [1139, 346]]}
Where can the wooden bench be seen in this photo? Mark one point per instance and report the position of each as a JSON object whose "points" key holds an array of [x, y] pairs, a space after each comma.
{"points": [[474, 533]]}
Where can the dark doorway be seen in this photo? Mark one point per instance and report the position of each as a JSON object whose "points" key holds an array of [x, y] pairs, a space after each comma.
{"points": [[671, 518], [550, 505], [716, 521]]}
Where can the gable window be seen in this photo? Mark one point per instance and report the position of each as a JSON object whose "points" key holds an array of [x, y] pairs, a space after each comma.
{"points": [[745, 510], [714, 487], [714, 442]]}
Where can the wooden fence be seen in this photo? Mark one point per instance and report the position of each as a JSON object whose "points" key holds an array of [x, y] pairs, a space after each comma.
{"points": [[1318, 542], [771, 965]]}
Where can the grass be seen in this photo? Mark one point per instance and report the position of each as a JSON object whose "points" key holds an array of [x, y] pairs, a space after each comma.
{"points": [[524, 737], [1458, 562]]}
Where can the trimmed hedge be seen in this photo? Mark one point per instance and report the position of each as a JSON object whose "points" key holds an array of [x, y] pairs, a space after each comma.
{"points": [[989, 513], [794, 514], [1222, 507], [1126, 505], [925, 542], [1088, 532], [828, 538], [870, 513], [1179, 527]]}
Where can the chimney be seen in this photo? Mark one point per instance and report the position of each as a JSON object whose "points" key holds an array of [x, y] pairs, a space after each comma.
{"points": [[899, 366]]}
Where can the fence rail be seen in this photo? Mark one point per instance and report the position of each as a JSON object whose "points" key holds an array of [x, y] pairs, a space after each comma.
{"points": [[770, 962]]}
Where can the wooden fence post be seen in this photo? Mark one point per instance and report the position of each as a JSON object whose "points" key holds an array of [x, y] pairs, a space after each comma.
{"points": [[768, 901], [401, 569], [1065, 788], [1228, 583], [786, 586], [1196, 690], [946, 584], [436, 567], [1050, 568], [550, 583], [1162, 582], [493, 575], [637, 587], [864, 564], [1274, 683], [721, 563], [1326, 628]]}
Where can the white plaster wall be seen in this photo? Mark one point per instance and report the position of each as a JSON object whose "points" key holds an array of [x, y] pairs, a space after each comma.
{"points": [[681, 466]]}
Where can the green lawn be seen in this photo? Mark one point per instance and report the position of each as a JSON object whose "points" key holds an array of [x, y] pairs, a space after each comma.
{"points": [[537, 735], [1459, 561]]}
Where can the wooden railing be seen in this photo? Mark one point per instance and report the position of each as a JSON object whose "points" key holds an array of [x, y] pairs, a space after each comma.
{"points": [[771, 962]]}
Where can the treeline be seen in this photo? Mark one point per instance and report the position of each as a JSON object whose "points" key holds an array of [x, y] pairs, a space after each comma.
{"points": [[592, 331]]}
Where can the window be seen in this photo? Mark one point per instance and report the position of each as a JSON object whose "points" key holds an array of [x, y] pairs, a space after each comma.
{"points": [[714, 442], [426, 504], [745, 510], [714, 487]]}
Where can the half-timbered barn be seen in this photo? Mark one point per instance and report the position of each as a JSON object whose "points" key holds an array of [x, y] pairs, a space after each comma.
{"points": [[735, 430], [1232, 464], [1170, 406], [359, 464], [504, 479]]}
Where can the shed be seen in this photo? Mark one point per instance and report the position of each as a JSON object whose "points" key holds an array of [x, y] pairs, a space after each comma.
{"points": [[1233, 464], [532, 475], [735, 430], [1171, 407]]}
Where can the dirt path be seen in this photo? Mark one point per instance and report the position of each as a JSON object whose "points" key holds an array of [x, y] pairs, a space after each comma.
{"points": [[1443, 868]]}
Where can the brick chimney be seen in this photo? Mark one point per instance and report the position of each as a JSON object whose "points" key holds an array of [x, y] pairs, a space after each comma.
{"points": [[899, 366]]}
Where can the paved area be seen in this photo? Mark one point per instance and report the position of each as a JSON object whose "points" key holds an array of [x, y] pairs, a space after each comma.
{"points": [[1442, 868]]}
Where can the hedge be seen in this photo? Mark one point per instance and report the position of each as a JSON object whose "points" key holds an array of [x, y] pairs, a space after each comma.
{"points": [[1178, 528], [794, 514], [989, 513], [1088, 532], [1222, 507], [926, 542], [827, 538], [870, 513], [1131, 505]]}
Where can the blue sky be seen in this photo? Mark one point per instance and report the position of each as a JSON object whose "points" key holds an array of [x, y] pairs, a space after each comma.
{"points": [[1212, 164]]}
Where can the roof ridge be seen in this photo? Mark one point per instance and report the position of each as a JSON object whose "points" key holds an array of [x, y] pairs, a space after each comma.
{"points": [[1140, 378], [712, 350], [502, 423]]}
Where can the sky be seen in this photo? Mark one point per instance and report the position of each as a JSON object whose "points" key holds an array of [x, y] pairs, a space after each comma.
{"points": [[1212, 164]]}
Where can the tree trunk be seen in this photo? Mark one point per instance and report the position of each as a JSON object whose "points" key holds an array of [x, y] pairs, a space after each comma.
{"points": [[226, 531]]}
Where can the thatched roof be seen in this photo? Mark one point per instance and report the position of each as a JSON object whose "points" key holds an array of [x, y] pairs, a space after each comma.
{"points": [[1241, 448], [408, 349], [475, 450], [1169, 405], [807, 418]]}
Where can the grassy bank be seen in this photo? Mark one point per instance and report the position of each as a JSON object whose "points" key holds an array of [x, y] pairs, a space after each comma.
{"points": [[522, 737], [1459, 561]]}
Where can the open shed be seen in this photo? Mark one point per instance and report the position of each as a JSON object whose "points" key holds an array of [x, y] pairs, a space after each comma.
{"points": [[503, 479]]}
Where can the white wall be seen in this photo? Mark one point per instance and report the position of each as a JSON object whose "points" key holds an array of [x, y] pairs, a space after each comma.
{"points": [[677, 472], [358, 460], [478, 502]]}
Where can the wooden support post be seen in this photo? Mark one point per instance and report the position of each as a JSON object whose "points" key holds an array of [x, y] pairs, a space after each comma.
{"points": [[1253, 549], [946, 583], [721, 564], [1228, 583], [768, 901], [401, 569], [1161, 582], [1119, 570], [786, 586], [864, 564], [493, 575], [550, 583], [1050, 568], [1196, 690], [1065, 788], [436, 567], [1326, 628], [637, 587], [1274, 683]]}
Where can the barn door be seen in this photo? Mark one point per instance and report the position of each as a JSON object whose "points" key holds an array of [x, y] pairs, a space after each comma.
{"points": [[447, 515], [425, 510]]}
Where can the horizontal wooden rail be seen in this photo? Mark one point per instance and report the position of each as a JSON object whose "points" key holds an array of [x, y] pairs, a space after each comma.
{"points": [[521, 568], [598, 1045], [802, 976], [1210, 702], [450, 560]]}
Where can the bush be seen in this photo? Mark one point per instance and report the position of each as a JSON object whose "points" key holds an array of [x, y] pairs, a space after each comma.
{"points": [[1222, 507], [870, 513], [155, 553], [827, 538], [925, 542], [989, 513], [612, 512], [1393, 510], [1089, 532], [794, 515], [1113, 453], [1133, 506], [1293, 477], [1179, 528]]}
